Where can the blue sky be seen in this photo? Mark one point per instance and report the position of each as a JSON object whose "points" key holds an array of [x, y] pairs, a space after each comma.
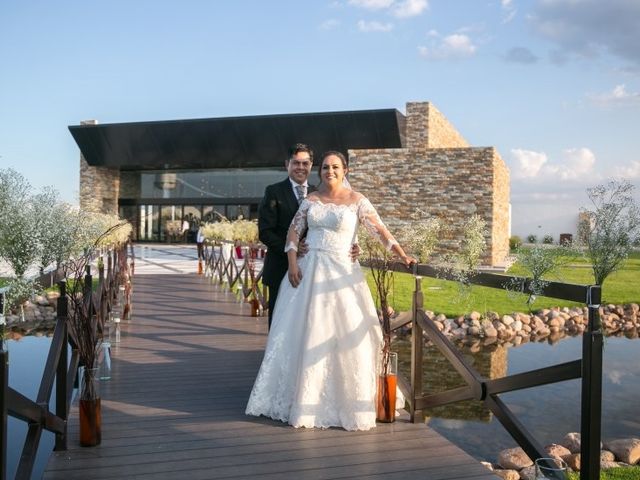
{"points": [[554, 85]]}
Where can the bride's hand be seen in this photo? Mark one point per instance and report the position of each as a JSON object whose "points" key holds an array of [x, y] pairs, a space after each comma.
{"points": [[408, 260], [295, 276]]}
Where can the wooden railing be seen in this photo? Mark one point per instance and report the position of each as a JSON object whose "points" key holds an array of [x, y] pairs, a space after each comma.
{"points": [[588, 368], [59, 368], [224, 269]]}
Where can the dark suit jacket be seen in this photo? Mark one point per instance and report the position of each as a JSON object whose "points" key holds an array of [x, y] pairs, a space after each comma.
{"points": [[276, 210]]}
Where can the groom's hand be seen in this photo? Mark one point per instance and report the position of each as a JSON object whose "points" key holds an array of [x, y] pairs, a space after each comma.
{"points": [[303, 248], [354, 253]]}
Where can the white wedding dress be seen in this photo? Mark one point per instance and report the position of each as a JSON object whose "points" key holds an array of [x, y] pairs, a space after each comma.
{"points": [[319, 366]]}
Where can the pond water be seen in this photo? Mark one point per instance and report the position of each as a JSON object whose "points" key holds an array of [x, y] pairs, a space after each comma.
{"points": [[549, 412], [27, 358]]}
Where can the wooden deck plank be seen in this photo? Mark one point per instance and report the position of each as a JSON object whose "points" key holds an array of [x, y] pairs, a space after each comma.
{"points": [[175, 405]]}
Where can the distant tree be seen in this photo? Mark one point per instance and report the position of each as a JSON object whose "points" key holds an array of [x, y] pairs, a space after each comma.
{"points": [[611, 227], [19, 245], [531, 238], [515, 242], [547, 239]]}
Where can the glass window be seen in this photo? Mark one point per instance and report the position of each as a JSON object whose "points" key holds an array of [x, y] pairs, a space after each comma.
{"points": [[208, 184]]}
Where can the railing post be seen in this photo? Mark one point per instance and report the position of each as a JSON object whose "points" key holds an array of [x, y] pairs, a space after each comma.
{"points": [[62, 405], [417, 342], [4, 393], [591, 415]]}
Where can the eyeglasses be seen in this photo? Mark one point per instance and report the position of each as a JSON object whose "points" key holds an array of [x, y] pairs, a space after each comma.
{"points": [[301, 163]]}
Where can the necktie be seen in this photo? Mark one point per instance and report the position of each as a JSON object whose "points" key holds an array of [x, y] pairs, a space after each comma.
{"points": [[301, 192]]}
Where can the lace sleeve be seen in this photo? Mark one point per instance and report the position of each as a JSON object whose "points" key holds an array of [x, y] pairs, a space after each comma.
{"points": [[298, 226], [371, 221]]}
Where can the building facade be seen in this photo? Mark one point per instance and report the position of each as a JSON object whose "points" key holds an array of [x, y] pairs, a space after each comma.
{"points": [[158, 174]]}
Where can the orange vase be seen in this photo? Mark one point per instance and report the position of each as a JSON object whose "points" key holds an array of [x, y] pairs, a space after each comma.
{"points": [[386, 390], [255, 307]]}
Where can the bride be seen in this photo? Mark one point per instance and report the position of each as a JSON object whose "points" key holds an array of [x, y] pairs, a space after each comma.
{"points": [[319, 366]]}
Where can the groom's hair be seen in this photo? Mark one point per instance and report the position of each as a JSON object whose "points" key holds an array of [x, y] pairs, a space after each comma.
{"points": [[300, 148]]}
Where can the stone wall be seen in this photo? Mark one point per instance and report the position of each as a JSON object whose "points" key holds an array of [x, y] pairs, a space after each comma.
{"points": [[129, 184], [451, 183], [99, 186], [428, 128]]}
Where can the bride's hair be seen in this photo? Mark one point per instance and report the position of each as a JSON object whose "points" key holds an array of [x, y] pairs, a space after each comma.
{"points": [[340, 155]]}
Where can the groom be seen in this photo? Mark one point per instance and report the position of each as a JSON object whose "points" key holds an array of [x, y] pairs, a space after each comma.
{"points": [[276, 210]]}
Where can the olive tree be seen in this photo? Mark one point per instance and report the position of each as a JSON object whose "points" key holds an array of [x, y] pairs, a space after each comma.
{"points": [[610, 227], [19, 245]]}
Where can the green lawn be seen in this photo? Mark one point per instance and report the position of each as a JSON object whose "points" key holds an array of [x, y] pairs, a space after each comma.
{"points": [[446, 297], [619, 473]]}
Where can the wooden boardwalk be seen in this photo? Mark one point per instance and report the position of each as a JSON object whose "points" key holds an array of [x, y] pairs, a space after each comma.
{"points": [[174, 408]]}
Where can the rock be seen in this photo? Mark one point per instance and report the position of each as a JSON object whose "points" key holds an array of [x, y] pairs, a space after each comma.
{"points": [[571, 441], [557, 451], [607, 456], [507, 320], [538, 324], [516, 326], [491, 316], [459, 332], [490, 331], [514, 458], [474, 316], [473, 330], [439, 325], [487, 465], [607, 465], [626, 450], [528, 473], [573, 461], [507, 474]]}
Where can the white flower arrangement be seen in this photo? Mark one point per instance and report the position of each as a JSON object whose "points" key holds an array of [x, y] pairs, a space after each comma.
{"points": [[245, 231], [218, 231]]}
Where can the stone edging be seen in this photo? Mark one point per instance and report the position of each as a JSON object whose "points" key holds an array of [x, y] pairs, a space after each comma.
{"points": [[514, 464]]}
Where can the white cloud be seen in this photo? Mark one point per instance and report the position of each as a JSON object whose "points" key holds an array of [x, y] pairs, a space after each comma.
{"points": [[397, 8], [452, 46], [578, 162], [329, 24], [619, 96], [372, 4], [374, 26], [410, 8], [509, 11], [630, 171], [575, 164], [527, 163]]}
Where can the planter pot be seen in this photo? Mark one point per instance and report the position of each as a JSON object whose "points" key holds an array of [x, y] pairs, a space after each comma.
{"points": [[387, 388], [90, 409], [255, 307]]}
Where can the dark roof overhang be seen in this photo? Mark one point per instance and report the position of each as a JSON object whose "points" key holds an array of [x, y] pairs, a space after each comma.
{"points": [[234, 142]]}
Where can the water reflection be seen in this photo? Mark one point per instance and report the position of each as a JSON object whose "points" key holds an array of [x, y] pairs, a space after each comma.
{"points": [[27, 359], [548, 412]]}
